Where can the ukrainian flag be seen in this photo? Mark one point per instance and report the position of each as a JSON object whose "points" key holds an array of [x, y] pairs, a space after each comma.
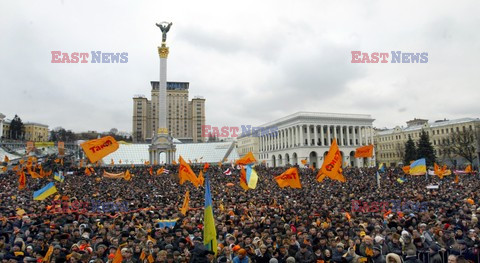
{"points": [[209, 232], [45, 192], [418, 167], [59, 177], [252, 177], [381, 168], [166, 223]]}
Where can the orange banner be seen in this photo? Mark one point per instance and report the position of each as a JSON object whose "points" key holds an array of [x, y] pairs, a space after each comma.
{"points": [[365, 151], [332, 165], [99, 148], [247, 159], [289, 178], [113, 176]]}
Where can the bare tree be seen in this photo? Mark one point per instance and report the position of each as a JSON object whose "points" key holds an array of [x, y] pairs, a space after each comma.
{"points": [[462, 143]]}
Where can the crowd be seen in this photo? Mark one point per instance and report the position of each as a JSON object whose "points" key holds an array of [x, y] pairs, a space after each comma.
{"points": [[267, 224]]}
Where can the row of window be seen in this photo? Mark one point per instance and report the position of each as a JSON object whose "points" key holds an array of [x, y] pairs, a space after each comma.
{"points": [[417, 134]]}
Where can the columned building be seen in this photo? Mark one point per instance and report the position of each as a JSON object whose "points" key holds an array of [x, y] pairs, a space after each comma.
{"points": [[308, 136], [2, 117]]}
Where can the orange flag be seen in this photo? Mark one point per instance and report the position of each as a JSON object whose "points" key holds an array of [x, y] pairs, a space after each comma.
{"points": [[174, 162], [243, 179], [150, 171], [118, 254], [364, 151], [88, 171], [4, 169], [247, 159], [320, 179], [438, 171], [468, 169], [220, 164], [304, 162], [456, 178], [406, 169], [48, 255], [81, 163], [99, 148], [112, 162], [22, 181], [127, 176], [348, 216], [332, 165], [206, 166], [160, 171], [150, 259], [185, 203], [186, 173], [289, 178], [200, 178], [35, 175], [5, 159]]}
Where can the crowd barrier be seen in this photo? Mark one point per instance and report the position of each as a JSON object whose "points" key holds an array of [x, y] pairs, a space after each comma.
{"points": [[425, 256]]}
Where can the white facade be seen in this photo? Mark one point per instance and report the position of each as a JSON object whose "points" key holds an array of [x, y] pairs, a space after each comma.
{"points": [[1, 125], [308, 135]]}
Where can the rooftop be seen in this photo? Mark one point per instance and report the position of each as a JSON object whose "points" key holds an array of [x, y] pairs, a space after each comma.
{"points": [[324, 115], [202, 152], [434, 124]]}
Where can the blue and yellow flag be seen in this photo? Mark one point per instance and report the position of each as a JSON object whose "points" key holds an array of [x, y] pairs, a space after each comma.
{"points": [[45, 192], [209, 232], [418, 167], [252, 177], [166, 223], [381, 168], [59, 177]]}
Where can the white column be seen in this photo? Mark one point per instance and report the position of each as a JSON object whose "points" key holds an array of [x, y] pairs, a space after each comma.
{"points": [[341, 136], [291, 136], [301, 135], [335, 132], [329, 136], [348, 135], [308, 135], [362, 135], [162, 95], [354, 133], [371, 134], [322, 136], [315, 136]]}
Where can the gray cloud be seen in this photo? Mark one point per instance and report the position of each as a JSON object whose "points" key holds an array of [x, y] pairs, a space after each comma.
{"points": [[253, 62]]}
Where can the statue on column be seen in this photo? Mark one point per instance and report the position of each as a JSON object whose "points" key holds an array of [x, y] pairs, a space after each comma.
{"points": [[164, 27]]}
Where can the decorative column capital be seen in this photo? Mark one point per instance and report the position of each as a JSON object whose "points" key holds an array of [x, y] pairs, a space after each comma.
{"points": [[163, 51]]}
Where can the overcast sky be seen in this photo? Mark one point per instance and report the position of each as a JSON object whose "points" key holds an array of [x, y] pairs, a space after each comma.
{"points": [[253, 61]]}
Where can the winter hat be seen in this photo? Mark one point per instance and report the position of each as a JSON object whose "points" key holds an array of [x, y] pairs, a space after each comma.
{"points": [[378, 239]]}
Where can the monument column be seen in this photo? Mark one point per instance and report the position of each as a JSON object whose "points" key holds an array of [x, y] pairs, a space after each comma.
{"points": [[162, 141]]}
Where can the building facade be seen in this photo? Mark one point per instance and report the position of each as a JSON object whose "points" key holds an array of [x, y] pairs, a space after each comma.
{"points": [[31, 131], [390, 143], [246, 144], [183, 116], [308, 136], [2, 117]]}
